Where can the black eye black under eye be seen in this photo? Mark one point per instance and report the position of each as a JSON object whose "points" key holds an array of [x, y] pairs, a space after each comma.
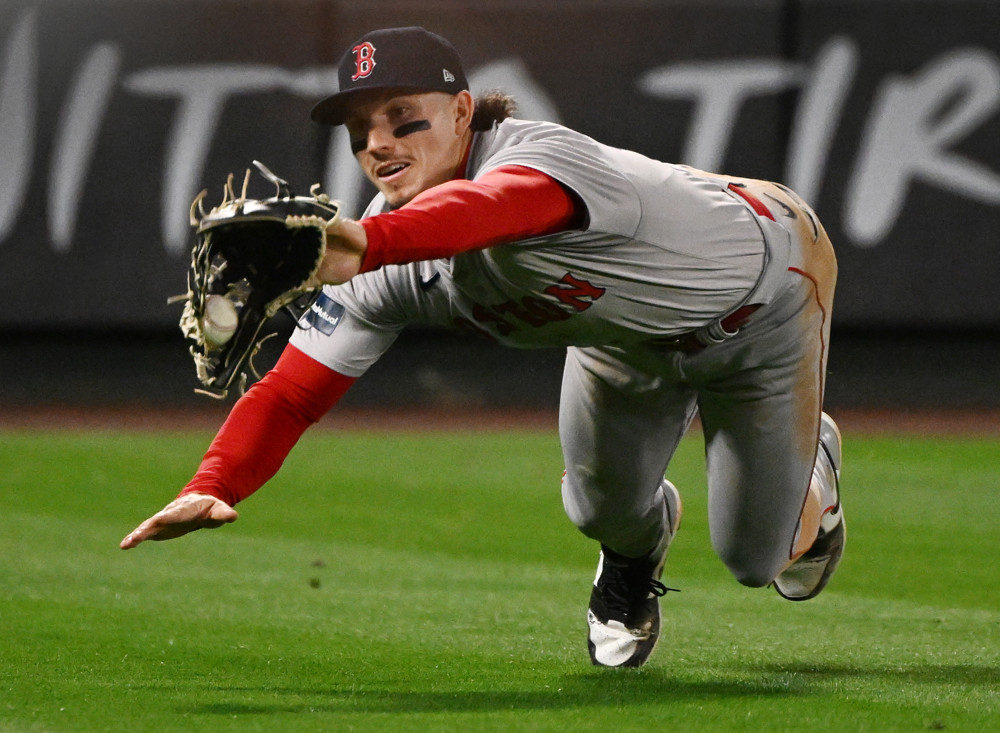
{"points": [[408, 128]]}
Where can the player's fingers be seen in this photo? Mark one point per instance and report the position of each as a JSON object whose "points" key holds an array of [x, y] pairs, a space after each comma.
{"points": [[221, 513], [167, 525], [183, 515], [152, 529], [136, 536]]}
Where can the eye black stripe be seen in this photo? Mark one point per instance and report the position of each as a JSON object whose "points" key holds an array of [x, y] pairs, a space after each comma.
{"points": [[409, 128]]}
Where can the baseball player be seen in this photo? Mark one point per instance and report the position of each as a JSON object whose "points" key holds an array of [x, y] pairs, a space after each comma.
{"points": [[675, 292]]}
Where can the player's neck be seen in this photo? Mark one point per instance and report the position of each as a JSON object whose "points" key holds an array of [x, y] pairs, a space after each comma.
{"points": [[460, 170]]}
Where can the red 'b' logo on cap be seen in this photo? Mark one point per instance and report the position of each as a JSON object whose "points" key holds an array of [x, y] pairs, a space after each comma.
{"points": [[364, 60]]}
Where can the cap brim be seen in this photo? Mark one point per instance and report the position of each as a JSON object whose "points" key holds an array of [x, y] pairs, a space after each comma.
{"points": [[332, 110]]}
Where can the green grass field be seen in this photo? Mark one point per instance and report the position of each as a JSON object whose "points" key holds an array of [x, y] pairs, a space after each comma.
{"points": [[394, 582]]}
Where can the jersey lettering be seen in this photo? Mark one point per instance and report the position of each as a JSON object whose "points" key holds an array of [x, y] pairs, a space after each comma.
{"points": [[544, 310], [518, 311], [364, 60], [533, 311], [574, 291], [482, 314]]}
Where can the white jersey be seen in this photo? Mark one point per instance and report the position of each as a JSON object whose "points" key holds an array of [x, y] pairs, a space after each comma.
{"points": [[665, 250]]}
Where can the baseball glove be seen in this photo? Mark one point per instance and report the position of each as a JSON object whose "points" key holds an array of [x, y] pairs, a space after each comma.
{"points": [[251, 259]]}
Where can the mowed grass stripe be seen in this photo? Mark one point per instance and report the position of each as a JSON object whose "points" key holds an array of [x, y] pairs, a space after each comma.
{"points": [[388, 582]]}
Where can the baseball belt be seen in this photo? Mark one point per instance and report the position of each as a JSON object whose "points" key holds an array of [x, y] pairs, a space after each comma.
{"points": [[694, 341]]}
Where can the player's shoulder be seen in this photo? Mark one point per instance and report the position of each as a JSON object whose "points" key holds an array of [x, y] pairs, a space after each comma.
{"points": [[534, 138], [513, 130], [528, 142]]}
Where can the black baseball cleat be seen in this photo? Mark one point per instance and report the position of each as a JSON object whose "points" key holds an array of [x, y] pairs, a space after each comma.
{"points": [[807, 576], [624, 613]]}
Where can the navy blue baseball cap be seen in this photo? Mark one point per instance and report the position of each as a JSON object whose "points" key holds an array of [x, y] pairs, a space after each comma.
{"points": [[407, 58]]}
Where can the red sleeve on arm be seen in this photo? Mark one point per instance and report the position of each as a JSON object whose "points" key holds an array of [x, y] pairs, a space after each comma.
{"points": [[507, 204], [265, 424]]}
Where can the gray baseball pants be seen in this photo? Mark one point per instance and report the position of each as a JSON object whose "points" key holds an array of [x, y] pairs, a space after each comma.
{"points": [[759, 395]]}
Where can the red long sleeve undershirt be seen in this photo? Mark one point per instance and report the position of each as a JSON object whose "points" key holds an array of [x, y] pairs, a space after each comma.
{"points": [[505, 205], [265, 424]]}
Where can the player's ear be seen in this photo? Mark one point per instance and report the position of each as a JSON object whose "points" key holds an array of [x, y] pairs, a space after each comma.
{"points": [[465, 105]]}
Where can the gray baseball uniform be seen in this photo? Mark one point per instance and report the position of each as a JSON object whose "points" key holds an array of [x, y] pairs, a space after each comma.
{"points": [[666, 251]]}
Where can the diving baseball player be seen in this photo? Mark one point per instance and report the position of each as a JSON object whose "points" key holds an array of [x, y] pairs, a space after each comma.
{"points": [[675, 292]]}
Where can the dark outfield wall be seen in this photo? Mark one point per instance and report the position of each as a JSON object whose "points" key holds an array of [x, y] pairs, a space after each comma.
{"points": [[884, 113]]}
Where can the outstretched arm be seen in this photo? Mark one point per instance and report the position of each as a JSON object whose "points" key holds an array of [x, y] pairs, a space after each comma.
{"points": [[260, 431]]}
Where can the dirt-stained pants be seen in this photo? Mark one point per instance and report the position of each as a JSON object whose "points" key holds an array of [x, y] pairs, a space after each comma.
{"points": [[759, 395]]}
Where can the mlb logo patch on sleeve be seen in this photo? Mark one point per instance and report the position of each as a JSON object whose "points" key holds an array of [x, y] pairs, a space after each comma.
{"points": [[324, 315]]}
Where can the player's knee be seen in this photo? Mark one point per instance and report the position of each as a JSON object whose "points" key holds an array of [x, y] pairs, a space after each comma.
{"points": [[579, 506], [753, 578], [751, 570], [596, 516], [594, 523]]}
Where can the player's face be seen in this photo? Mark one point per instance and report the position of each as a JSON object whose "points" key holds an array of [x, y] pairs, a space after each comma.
{"points": [[406, 143]]}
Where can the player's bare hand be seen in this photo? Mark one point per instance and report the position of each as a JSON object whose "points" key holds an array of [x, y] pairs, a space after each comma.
{"points": [[184, 514], [346, 244]]}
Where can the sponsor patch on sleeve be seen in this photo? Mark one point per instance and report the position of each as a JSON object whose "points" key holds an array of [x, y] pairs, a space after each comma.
{"points": [[324, 315]]}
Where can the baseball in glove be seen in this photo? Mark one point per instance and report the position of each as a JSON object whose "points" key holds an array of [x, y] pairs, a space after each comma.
{"points": [[251, 259]]}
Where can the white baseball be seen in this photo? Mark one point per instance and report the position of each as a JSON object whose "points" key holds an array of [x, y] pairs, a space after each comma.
{"points": [[220, 320]]}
